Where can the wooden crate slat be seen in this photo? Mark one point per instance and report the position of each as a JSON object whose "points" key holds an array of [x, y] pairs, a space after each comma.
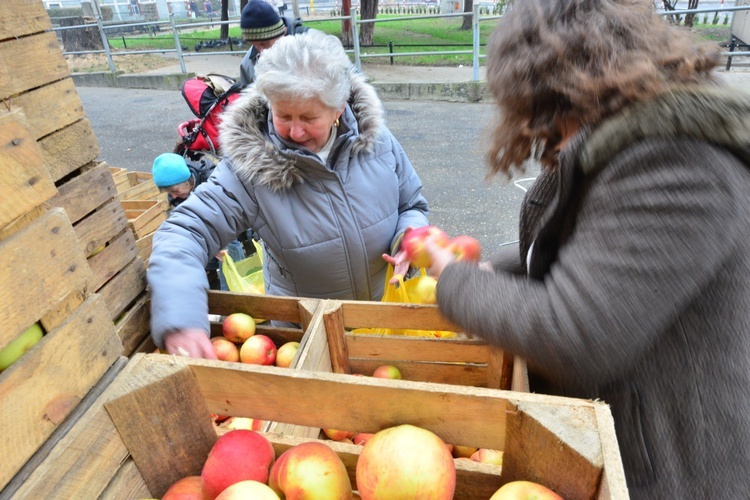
{"points": [[144, 191], [30, 62], [358, 314], [26, 182], [63, 107], [258, 306], [416, 348], [22, 17], [101, 226], [128, 484], [46, 384], [42, 265], [124, 288], [115, 256], [86, 192], [133, 327], [441, 373], [145, 241], [69, 148]]}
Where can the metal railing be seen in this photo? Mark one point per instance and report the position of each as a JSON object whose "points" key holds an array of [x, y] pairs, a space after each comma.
{"points": [[476, 18]]}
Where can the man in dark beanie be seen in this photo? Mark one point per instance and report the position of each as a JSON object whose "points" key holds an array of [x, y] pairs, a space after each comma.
{"points": [[262, 26]]}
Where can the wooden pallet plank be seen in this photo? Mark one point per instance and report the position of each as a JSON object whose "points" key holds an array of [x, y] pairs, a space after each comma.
{"points": [[69, 148], [30, 62], [62, 107], [101, 226], [26, 183], [42, 265], [133, 327], [124, 288], [115, 256], [46, 384], [144, 191], [22, 17], [85, 193], [128, 484]]}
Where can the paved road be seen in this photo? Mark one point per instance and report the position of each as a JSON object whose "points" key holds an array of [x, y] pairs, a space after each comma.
{"points": [[443, 140]]}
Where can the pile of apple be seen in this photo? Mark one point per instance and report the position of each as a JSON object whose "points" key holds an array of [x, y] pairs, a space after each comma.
{"points": [[401, 462], [240, 343]]}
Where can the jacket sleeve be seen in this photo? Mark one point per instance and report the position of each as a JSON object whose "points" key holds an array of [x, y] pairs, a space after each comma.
{"points": [[412, 210], [212, 216], [652, 231], [247, 69]]}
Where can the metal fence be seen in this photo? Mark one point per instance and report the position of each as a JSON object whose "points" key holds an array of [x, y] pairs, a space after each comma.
{"points": [[356, 51]]}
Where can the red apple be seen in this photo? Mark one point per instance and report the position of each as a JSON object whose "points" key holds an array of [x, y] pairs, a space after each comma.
{"points": [[466, 248], [310, 471], [413, 244], [405, 462], [361, 438], [251, 424], [225, 349], [218, 418], [236, 456], [424, 290], [387, 371], [187, 488], [524, 490], [337, 435], [238, 327], [487, 456], [248, 490], [285, 354], [463, 451], [258, 350]]}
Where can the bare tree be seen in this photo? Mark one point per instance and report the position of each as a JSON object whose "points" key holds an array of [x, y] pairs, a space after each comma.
{"points": [[468, 7], [369, 11], [692, 4], [346, 26]]}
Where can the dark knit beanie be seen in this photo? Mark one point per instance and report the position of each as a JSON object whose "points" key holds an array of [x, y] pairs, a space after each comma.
{"points": [[260, 21]]}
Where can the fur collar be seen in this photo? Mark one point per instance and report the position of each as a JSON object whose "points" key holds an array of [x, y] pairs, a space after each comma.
{"points": [[717, 115], [255, 158]]}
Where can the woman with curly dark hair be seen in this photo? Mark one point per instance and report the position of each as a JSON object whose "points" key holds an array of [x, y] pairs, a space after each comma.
{"points": [[632, 281]]}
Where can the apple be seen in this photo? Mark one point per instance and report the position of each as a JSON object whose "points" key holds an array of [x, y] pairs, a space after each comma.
{"points": [[238, 327], [337, 435], [187, 488], [524, 490], [413, 244], [466, 248], [258, 350], [218, 418], [248, 490], [225, 349], [11, 352], [310, 471], [424, 290], [361, 438], [251, 424], [236, 456], [487, 456], [463, 451], [405, 462], [285, 354], [387, 371]]}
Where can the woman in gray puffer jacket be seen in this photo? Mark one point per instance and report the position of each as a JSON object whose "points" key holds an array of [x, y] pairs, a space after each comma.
{"points": [[312, 169], [632, 285]]}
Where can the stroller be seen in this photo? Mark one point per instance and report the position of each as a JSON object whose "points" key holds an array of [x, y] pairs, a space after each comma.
{"points": [[207, 97]]}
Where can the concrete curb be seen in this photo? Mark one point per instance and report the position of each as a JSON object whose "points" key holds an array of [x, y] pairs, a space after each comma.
{"points": [[452, 92]]}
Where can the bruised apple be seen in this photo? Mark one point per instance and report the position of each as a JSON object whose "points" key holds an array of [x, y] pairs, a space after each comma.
{"points": [[187, 488], [387, 371], [466, 248], [225, 349], [258, 350], [248, 490], [285, 354], [405, 462], [488, 456], [413, 244], [310, 471], [236, 456], [238, 327], [524, 490]]}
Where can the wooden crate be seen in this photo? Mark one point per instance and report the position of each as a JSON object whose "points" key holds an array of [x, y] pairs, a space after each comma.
{"points": [[144, 216], [138, 438], [460, 361]]}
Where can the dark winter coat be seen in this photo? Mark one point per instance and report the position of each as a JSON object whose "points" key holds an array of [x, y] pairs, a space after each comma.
{"points": [[247, 66], [639, 288]]}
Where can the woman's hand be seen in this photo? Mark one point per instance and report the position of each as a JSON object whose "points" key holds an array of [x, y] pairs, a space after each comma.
{"points": [[400, 263], [439, 256], [191, 342]]}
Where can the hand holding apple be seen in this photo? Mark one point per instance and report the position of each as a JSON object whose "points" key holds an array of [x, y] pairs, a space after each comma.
{"points": [[413, 243]]}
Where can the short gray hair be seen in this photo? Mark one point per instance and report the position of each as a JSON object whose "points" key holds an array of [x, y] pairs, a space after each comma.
{"points": [[305, 66]]}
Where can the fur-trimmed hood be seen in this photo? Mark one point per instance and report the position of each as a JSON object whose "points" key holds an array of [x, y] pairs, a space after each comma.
{"points": [[717, 115], [255, 156]]}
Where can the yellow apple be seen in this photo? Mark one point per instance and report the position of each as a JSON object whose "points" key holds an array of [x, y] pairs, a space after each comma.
{"points": [[488, 456], [463, 451], [524, 490], [238, 327], [387, 371], [285, 354], [11, 352], [310, 471], [248, 490]]}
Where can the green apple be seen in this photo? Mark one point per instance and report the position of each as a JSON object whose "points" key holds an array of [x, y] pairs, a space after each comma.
{"points": [[10, 353]]}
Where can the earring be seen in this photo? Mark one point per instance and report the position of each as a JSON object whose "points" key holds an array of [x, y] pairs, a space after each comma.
{"points": [[336, 123]]}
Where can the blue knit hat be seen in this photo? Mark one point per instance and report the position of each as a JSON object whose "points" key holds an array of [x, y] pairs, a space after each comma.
{"points": [[260, 21], [170, 169]]}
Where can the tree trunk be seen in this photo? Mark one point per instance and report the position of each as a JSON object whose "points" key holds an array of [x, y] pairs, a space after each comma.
{"points": [[224, 31], [468, 7], [369, 11], [346, 26], [80, 39], [692, 4]]}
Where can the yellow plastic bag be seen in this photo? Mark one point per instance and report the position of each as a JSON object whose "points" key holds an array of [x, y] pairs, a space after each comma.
{"points": [[399, 293], [245, 276]]}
